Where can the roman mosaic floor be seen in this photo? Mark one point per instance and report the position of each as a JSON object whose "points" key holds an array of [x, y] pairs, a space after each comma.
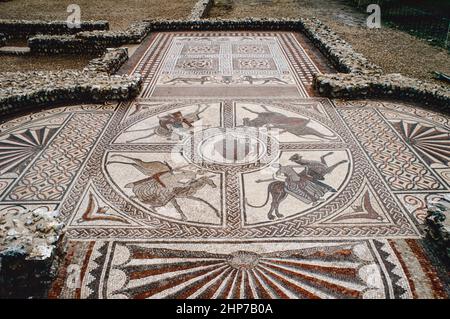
{"points": [[228, 178]]}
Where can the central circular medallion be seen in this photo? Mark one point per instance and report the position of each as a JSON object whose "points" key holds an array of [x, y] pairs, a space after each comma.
{"points": [[231, 146]]}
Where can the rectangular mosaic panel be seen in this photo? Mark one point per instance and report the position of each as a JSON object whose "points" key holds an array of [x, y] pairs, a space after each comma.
{"points": [[239, 197], [226, 65]]}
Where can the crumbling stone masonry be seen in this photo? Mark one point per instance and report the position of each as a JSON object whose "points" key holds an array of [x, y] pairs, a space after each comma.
{"points": [[24, 90], [29, 253], [24, 28], [109, 63], [91, 41]]}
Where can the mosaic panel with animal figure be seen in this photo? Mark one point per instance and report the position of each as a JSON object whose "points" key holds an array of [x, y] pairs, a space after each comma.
{"points": [[228, 64], [226, 179], [231, 169]]}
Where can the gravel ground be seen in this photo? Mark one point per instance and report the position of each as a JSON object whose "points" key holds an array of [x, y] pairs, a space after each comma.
{"points": [[42, 63], [119, 13], [395, 51]]}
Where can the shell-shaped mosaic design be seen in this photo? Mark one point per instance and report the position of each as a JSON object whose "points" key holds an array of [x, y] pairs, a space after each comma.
{"points": [[334, 272], [18, 148], [432, 143]]}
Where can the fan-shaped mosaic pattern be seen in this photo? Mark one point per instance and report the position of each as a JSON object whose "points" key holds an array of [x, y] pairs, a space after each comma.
{"points": [[330, 272], [18, 148], [432, 143]]}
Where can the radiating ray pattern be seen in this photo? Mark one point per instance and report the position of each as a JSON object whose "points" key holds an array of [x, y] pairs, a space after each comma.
{"points": [[432, 143], [18, 149], [324, 272]]}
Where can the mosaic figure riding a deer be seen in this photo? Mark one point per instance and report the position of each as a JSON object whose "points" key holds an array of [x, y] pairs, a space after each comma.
{"points": [[165, 184]]}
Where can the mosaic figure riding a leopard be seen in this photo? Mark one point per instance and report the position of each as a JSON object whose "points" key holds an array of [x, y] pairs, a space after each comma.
{"points": [[306, 186]]}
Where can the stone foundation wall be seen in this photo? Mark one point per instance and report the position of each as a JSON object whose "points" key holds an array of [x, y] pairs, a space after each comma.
{"points": [[109, 63], [92, 41], [24, 90], [437, 225], [59, 44], [23, 28], [394, 86], [223, 25], [339, 52]]}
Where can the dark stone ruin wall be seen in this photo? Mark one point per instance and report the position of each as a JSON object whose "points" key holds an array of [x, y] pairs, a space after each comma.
{"points": [[359, 77], [24, 28], [24, 90], [91, 41]]}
